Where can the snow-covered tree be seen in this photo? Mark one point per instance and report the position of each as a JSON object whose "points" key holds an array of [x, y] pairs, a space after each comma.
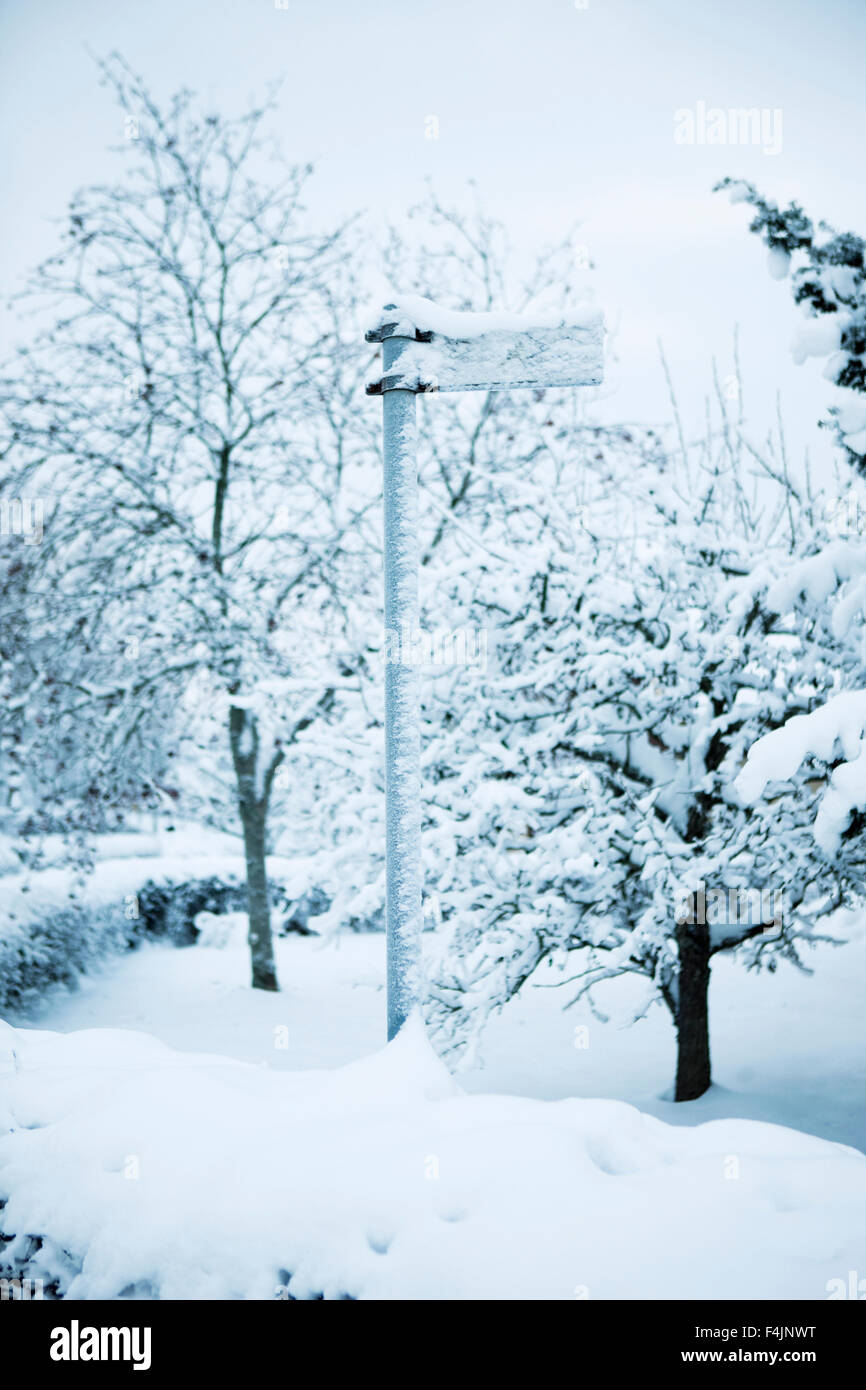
{"points": [[823, 594], [588, 788], [822, 587], [828, 280], [616, 666], [185, 408], [472, 448]]}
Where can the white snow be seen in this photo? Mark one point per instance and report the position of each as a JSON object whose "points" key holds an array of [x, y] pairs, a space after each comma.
{"points": [[787, 1047], [29, 895], [851, 418], [846, 793], [221, 930], [185, 1176], [818, 576], [818, 336], [841, 723], [778, 262], [739, 191], [412, 311], [385, 1179]]}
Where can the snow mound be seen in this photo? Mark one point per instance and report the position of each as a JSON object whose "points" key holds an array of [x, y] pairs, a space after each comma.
{"points": [[221, 929], [168, 1174]]}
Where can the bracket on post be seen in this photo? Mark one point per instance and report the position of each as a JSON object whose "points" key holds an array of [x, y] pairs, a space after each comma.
{"points": [[396, 328]]}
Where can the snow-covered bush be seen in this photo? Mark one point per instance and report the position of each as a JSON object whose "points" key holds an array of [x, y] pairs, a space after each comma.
{"points": [[50, 937], [171, 909], [57, 948]]}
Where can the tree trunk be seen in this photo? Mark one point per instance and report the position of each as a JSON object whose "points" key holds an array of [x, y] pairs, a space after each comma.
{"points": [[264, 970], [253, 796], [692, 1015]]}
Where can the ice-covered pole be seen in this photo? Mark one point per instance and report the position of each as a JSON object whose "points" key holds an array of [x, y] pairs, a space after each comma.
{"points": [[402, 707], [425, 348]]}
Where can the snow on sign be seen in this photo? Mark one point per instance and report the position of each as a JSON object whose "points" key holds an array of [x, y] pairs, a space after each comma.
{"points": [[425, 348], [440, 351]]}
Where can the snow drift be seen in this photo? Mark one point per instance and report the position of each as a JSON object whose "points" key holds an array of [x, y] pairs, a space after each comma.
{"points": [[153, 1173]]}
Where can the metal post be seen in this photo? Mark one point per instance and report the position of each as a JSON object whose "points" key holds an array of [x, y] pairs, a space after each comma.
{"points": [[402, 704], [482, 355]]}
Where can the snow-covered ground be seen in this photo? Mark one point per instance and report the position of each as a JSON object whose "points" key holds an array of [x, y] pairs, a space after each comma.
{"points": [[787, 1047], [181, 1175], [154, 1168]]}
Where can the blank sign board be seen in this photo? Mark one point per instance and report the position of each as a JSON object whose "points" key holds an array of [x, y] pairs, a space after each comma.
{"points": [[500, 358]]}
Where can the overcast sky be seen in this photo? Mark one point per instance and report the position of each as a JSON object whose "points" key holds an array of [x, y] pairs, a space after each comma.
{"points": [[560, 112]]}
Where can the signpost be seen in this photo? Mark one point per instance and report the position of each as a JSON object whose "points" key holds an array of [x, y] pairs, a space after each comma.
{"points": [[428, 349]]}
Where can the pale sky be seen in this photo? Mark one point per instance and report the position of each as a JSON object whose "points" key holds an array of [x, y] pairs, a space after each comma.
{"points": [[560, 113]]}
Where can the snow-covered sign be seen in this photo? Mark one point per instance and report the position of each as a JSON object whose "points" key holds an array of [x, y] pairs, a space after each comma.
{"points": [[437, 350], [425, 348]]}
